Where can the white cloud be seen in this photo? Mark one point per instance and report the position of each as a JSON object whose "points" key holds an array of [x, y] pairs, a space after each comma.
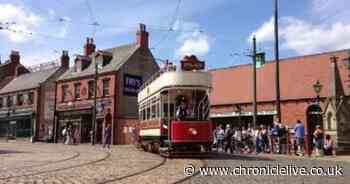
{"points": [[193, 41], [264, 32], [24, 20], [331, 32], [306, 38]]}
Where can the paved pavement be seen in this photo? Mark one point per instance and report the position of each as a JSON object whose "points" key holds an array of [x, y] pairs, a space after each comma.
{"points": [[57, 163]]}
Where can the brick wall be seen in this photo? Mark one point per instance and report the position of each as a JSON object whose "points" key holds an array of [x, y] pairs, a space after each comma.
{"points": [[124, 129]]}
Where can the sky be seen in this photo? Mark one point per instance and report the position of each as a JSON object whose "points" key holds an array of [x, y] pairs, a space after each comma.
{"points": [[217, 31]]}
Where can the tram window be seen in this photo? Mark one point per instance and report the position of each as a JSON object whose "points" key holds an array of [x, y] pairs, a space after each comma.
{"points": [[153, 111], [143, 114], [148, 113], [165, 110], [172, 110], [157, 111]]}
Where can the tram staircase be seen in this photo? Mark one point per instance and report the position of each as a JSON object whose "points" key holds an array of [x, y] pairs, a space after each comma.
{"points": [[203, 108]]}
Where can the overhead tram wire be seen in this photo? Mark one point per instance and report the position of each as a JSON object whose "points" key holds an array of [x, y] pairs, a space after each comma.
{"points": [[92, 17], [171, 24]]}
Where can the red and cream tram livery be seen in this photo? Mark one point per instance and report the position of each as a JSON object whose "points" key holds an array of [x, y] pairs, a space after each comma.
{"points": [[174, 109]]}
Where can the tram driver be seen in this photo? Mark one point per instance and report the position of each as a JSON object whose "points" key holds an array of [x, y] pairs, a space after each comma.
{"points": [[181, 112]]}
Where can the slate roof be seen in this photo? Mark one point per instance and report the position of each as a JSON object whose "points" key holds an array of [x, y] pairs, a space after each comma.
{"points": [[297, 76], [121, 54], [28, 80]]}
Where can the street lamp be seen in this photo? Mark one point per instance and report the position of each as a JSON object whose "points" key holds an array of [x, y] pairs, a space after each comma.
{"points": [[317, 88], [239, 111]]}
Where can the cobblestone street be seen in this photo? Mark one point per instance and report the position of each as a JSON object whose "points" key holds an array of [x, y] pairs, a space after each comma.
{"points": [[57, 163], [49, 163]]}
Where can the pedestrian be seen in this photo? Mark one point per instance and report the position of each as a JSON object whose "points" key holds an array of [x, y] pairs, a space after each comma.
{"points": [[228, 138], [265, 139], [258, 140], [283, 139], [215, 140], [299, 133], [238, 139], [328, 145], [64, 132], [107, 136], [318, 140], [76, 135], [69, 135], [220, 136]]}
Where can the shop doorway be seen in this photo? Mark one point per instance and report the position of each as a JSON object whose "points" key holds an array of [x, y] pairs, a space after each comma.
{"points": [[99, 133], [314, 118], [12, 130]]}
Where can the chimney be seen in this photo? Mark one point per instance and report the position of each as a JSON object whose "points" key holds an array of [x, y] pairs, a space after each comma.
{"points": [[19, 70], [65, 60], [89, 47], [142, 36], [14, 57]]}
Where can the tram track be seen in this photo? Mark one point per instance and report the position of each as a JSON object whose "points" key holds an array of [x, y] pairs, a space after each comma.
{"points": [[107, 155], [75, 155]]}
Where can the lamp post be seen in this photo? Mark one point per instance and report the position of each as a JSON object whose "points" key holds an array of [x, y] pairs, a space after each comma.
{"points": [[238, 110], [317, 88]]}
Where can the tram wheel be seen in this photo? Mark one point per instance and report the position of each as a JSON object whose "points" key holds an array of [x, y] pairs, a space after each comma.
{"points": [[156, 147], [149, 147]]}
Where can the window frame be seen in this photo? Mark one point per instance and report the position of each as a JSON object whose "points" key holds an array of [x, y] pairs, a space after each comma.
{"points": [[30, 98], [104, 90], [77, 95], [65, 88]]}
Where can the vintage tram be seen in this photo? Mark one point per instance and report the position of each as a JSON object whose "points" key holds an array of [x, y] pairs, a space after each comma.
{"points": [[174, 110]]}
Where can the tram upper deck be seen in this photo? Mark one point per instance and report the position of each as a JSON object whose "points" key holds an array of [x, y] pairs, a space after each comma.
{"points": [[175, 80]]}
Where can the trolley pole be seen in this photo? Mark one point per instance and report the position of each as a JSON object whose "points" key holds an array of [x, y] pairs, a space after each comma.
{"points": [[95, 104], [277, 73], [254, 84]]}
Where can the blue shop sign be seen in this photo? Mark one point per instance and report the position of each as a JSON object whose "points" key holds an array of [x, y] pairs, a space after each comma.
{"points": [[131, 84]]}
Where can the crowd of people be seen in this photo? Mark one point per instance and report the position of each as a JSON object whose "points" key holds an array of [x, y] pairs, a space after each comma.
{"points": [[71, 135], [276, 138]]}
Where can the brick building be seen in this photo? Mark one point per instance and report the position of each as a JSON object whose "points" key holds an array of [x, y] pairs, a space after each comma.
{"points": [[8, 69], [27, 101], [232, 94], [121, 71]]}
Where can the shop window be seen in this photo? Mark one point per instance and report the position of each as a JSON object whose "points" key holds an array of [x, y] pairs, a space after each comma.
{"points": [[9, 101], [30, 98], [1, 102], [91, 91], [77, 90], [105, 87], [65, 93], [20, 99]]}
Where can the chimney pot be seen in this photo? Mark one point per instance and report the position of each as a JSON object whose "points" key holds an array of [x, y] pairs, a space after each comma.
{"points": [[65, 59], [142, 36], [89, 47], [14, 56]]}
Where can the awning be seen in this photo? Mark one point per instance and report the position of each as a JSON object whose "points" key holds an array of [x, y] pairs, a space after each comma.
{"points": [[241, 114]]}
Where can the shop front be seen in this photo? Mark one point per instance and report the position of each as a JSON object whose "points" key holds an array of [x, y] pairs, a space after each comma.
{"points": [[17, 123], [80, 123]]}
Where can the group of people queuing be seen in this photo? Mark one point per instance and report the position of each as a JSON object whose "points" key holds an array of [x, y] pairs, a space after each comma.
{"points": [[276, 138]]}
